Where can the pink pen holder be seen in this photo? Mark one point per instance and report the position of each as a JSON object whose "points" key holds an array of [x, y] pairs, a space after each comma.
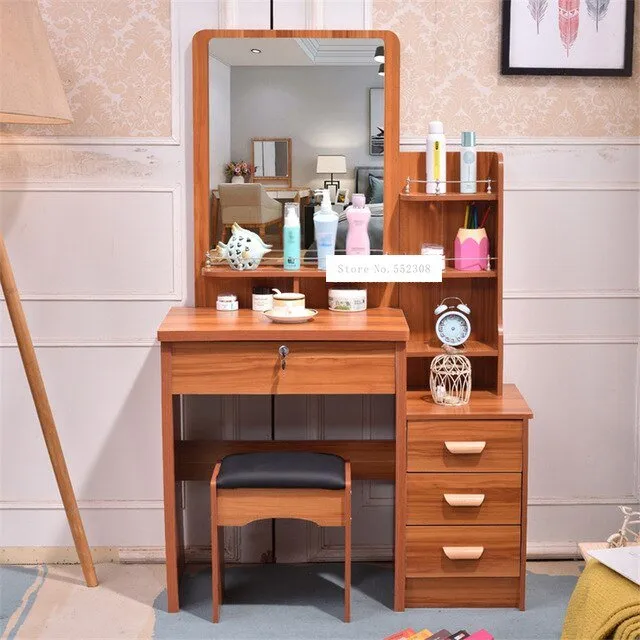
{"points": [[471, 250]]}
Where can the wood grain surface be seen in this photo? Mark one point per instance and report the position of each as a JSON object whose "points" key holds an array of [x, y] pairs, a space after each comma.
{"points": [[258, 368], [426, 503], [500, 556], [186, 324], [502, 450]]}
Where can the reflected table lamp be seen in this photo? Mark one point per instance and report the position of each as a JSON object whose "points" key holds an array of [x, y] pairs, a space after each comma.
{"points": [[31, 93], [331, 165]]}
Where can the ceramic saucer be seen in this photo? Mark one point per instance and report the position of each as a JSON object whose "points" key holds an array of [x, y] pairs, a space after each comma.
{"points": [[292, 318]]}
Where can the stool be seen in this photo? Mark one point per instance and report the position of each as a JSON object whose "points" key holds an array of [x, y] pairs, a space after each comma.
{"points": [[281, 484]]}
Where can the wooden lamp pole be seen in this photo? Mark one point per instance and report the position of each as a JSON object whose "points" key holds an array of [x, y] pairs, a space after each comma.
{"points": [[31, 93]]}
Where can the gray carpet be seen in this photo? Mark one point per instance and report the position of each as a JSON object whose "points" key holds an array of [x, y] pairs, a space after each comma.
{"points": [[304, 602]]}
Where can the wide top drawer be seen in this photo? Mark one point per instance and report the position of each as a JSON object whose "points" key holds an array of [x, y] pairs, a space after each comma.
{"points": [[282, 367], [474, 445]]}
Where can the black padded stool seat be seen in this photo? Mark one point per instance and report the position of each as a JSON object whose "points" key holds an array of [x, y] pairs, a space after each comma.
{"points": [[281, 470]]}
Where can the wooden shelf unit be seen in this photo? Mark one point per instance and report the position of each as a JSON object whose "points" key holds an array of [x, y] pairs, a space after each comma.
{"points": [[436, 220]]}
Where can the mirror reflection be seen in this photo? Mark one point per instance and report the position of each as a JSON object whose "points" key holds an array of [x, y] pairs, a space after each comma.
{"points": [[271, 158], [290, 117]]}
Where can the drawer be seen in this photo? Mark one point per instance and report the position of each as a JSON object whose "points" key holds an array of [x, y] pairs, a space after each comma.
{"points": [[453, 445], [463, 551], [463, 498], [255, 368], [463, 592]]}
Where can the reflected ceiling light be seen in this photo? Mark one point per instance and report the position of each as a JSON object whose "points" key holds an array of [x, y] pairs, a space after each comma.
{"points": [[256, 50], [381, 69], [379, 54]]}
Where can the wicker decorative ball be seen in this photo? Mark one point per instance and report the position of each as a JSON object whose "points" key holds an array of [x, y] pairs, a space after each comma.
{"points": [[450, 379]]}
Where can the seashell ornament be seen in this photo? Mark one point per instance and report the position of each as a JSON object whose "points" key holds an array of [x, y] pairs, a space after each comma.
{"points": [[244, 250]]}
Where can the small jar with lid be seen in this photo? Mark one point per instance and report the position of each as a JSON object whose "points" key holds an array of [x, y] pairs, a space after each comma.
{"points": [[227, 302], [433, 250], [262, 299]]}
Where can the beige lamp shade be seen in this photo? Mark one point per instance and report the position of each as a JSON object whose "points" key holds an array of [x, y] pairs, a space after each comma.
{"points": [[331, 164], [30, 88]]}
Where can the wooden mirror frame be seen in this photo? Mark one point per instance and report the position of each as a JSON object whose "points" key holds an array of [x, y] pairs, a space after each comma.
{"points": [[261, 179], [201, 153]]}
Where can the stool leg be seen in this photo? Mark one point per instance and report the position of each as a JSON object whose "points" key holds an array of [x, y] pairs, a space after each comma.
{"points": [[216, 590], [221, 563], [347, 543]]}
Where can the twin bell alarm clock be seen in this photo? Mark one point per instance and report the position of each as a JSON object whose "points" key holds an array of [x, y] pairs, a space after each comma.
{"points": [[453, 327]]}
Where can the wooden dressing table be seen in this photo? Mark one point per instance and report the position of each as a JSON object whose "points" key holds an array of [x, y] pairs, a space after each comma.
{"points": [[460, 473], [205, 351]]}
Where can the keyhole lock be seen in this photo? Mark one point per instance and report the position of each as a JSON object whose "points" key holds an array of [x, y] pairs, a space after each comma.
{"points": [[284, 352]]}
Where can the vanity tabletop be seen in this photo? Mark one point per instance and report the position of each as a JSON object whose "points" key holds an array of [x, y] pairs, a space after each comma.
{"points": [[189, 324]]}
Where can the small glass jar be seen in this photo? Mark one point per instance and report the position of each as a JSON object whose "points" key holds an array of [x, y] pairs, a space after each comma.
{"points": [[433, 250], [227, 302], [262, 299]]}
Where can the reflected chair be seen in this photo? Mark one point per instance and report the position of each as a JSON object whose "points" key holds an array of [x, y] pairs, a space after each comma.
{"points": [[279, 484], [250, 206]]}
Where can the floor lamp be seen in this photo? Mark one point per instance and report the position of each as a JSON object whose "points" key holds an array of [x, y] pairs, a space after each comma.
{"points": [[31, 93]]}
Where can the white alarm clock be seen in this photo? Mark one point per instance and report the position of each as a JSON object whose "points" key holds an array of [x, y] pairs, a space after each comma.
{"points": [[453, 327]]}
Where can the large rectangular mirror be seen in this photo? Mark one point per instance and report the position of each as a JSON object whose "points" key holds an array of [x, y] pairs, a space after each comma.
{"points": [[287, 117]]}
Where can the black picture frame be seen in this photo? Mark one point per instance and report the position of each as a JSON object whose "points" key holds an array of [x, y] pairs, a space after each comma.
{"points": [[625, 71]]}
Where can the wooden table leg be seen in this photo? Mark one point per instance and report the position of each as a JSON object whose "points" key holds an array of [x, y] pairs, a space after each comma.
{"points": [[400, 510], [172, 489]]}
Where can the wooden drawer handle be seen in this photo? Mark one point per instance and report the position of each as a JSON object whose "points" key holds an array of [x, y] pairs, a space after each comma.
{"points": [[465, 448], [464, 499], [463, 553]]}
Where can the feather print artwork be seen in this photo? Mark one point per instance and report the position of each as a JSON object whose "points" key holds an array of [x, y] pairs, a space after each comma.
{"points": [[569, 20], [537, 9], [597, 9]]}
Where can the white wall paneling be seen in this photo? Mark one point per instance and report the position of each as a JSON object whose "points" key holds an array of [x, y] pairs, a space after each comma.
{"points": [[244, 14], [585, 414], [552, 244], [106, 408], [81, 243], [86, 323], [298, 14]]}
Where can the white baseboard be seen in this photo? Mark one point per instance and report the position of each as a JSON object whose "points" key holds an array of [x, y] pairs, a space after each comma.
{"points": [[202, 554], [553, 551]]}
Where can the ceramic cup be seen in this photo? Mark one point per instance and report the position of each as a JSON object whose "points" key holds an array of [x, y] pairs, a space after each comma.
{"points": [[288, 303]]}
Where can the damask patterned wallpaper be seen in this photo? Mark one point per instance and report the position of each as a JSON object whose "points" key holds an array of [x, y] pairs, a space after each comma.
{"points": [[114, 58], [450, 71], [115, 61]]}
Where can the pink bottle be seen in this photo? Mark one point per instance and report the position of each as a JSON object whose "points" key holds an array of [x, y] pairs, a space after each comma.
{"points": [[358, 216]]}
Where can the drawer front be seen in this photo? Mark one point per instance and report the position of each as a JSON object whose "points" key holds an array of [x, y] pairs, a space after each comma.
{"points": [[256, 368], [463, 592], [463, 551], [463, 498], [479, 445]]}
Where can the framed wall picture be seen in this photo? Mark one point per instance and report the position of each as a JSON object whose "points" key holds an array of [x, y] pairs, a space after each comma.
{"points": [[376, 121], [567, 37]]}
